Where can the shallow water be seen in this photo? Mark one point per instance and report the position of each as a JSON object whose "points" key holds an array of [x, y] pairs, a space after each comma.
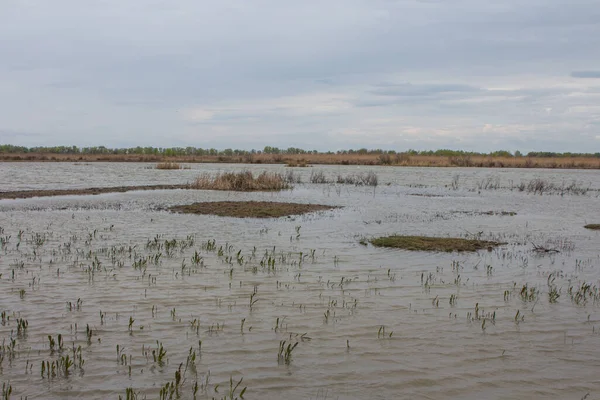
{"points": [[78, 247]]}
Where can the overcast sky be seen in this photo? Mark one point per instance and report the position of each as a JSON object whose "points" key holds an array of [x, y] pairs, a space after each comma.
{"points": [[317, 74]]}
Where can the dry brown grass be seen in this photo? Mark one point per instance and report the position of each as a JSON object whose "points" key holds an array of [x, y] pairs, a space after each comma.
{"points": [[243, 181], [249, 209], [424, 243], [168, 165], [401, 159]]}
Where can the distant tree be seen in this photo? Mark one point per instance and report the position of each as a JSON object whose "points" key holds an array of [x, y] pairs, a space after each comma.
{"points": [[501, 153]]}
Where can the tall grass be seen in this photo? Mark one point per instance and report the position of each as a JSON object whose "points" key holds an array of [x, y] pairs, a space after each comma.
{"points": [[291, 177], [541, 186], [243, 181], [368, 179], [362, 179], [318, 177], [168, 165]]}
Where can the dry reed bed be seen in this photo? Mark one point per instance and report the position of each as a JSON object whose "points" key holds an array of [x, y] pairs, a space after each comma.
{"points": [[401, 159], [243, 181], [169, 165]]}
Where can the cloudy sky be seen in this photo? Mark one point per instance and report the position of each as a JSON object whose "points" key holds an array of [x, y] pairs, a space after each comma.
{"points": [[317, 74]]}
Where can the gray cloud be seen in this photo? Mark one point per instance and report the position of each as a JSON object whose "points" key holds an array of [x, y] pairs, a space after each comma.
{"points": [[585, 74], [407, 89]]}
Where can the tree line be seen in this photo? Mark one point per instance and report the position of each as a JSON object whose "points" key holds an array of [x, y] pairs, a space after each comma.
{"points": [[197, 151]]}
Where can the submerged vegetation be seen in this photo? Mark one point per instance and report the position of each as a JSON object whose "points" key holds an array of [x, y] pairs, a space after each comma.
{"points": [[137, 303], [536, 186], [424, 243], [224, 292], [541, 186], [362, 179], [249, 209]]}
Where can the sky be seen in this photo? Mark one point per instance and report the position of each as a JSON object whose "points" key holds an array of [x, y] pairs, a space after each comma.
{"points": [[475, 75]]}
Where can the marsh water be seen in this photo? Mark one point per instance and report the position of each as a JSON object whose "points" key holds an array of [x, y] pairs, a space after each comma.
{"points": [[519, 321]]}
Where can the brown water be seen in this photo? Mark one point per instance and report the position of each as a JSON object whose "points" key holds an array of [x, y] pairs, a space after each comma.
{"points": [[85, 248]]}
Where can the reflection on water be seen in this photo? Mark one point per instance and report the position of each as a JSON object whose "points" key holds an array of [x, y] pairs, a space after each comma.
{"points": [[370, 323]]}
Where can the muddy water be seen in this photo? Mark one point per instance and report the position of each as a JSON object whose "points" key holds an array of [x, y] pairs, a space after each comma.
{"points": [[369, 322]]}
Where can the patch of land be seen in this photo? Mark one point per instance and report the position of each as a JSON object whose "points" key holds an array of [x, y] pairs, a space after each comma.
{"points": [[500, 213], [594, 227], [26, 194], [425, 195], [424, 243], [249, 209]]}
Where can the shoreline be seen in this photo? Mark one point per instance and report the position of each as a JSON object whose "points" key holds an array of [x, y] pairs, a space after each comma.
{"points": [[28, 194]]}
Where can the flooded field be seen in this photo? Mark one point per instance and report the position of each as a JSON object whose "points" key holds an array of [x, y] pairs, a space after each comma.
{"points": [[110, 295]]}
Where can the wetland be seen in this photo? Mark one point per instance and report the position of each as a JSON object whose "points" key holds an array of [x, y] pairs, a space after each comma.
{"points": [[115, 296]]}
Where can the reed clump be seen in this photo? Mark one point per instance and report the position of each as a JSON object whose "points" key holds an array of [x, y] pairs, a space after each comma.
{"points": [[368, 179], [297, 163], [318, 177], [541, 186], [291, 177], [361, 179], [243, 181], [424, 243], [168, 165]]}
